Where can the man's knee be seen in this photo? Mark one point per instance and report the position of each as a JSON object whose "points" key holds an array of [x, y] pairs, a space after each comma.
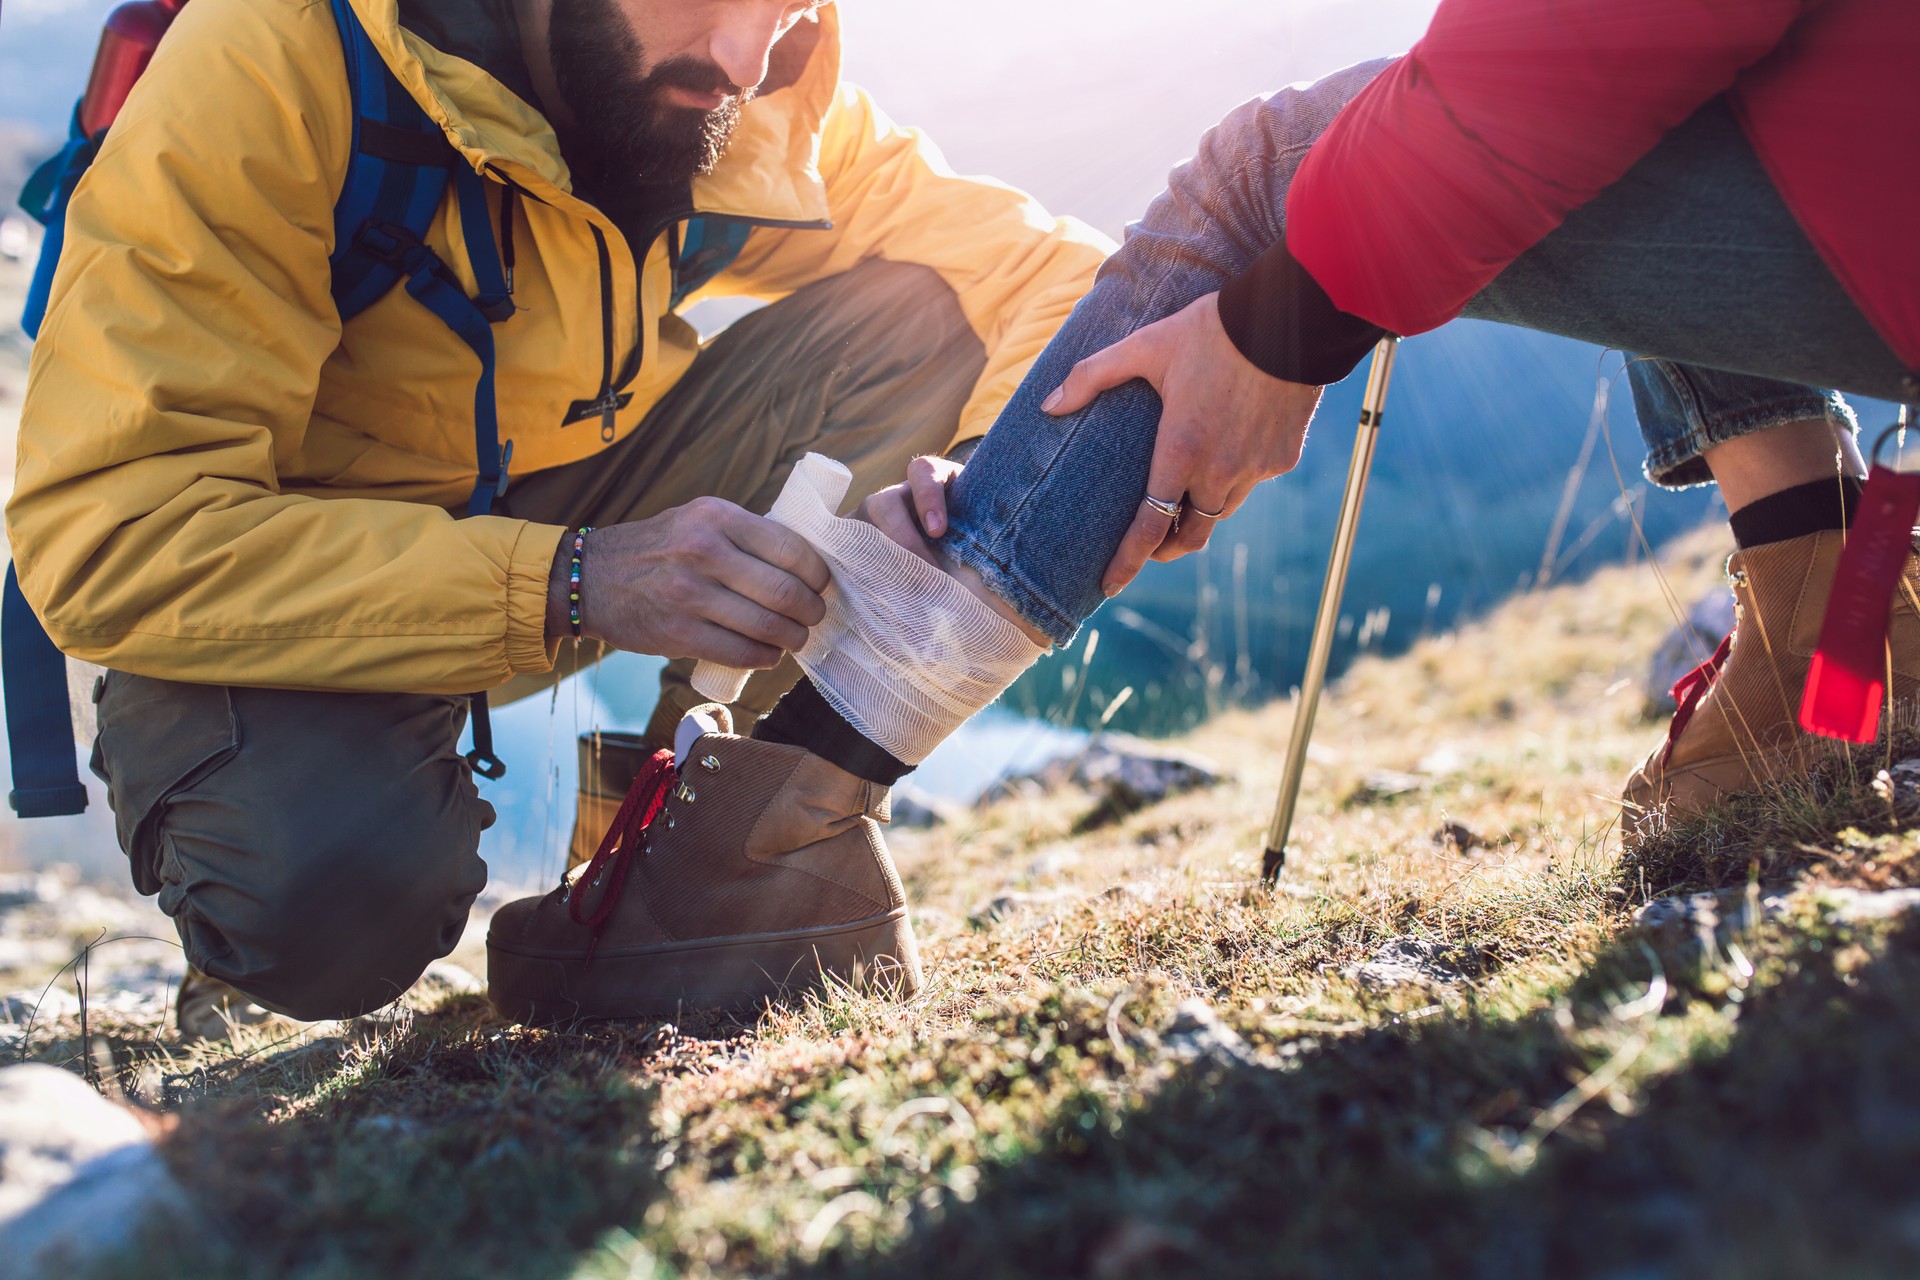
{"points": [[317, 851], [339, 924]]}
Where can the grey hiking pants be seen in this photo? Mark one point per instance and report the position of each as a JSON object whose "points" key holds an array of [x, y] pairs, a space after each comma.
{"points": [[319, 850]]}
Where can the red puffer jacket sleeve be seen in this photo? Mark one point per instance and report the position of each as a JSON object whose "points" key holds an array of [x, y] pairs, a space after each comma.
{"points": [[1503, 119]]}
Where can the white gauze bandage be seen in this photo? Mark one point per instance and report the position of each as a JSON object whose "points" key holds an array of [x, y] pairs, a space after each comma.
{"points": [[905, 653]]}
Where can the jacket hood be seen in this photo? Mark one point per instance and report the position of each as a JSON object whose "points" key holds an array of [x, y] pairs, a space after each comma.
{"points": [[460, 59]]}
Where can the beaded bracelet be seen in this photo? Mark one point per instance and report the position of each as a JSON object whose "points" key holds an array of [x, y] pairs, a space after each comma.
{"points": [[573, 574]]}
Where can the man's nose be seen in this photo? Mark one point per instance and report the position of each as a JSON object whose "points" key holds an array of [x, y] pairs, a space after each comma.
{"points": [[744, 43]]}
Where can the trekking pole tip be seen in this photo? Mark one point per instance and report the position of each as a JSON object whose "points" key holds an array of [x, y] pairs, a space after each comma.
{"points": [[1271, 865]]}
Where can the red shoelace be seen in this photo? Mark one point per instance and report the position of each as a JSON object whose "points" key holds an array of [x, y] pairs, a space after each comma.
{"points": [[1689, 689], [645, 798]]}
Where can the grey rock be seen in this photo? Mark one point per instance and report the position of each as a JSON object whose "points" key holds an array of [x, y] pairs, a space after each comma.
{"points": [[1406, 962], [1458, 837], [916, 810], [1384, 784], [79, 1176], [1688, 926], [1856, 906], [1195, 1033], [1899, 786], [28, 888], [1685, 647], [1127, 773], [442, 979], [36, 1006], [1013, 902]]}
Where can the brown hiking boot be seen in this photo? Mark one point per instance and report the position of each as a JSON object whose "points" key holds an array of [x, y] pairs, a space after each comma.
{"points": [[758, 873], [209, 1009], [1738, 725], [609, 762]]}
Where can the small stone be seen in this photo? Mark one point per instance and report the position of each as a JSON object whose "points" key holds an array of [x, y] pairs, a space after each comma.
{"points": [[1685, 647], [1458, 837], [38, 1006], [1383, 784], [916, 810], [1011, 903], [1127, 774], [26, 889], [1686, 927], [1406, 962], [1195, 1033], [1899, 787], [1856, 906]]}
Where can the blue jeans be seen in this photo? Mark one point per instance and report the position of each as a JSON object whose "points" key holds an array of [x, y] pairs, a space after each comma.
{"points": [[1692, 256]]}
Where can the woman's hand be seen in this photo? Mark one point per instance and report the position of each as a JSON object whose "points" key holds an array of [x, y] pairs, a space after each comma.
{"points": [[1225, 426]]}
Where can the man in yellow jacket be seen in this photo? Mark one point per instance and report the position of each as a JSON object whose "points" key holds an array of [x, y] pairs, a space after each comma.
{"points": [[245, 509]]}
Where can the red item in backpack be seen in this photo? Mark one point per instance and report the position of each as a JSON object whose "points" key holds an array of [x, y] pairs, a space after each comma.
{"points": [[132, 33]]}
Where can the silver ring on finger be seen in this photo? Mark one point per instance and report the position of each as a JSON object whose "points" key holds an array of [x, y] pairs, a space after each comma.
{"points": [[1171, 510], [1207, 515]]}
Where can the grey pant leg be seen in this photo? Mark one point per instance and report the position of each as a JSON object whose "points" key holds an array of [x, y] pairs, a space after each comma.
{"points": [[872, 368], [316, 850], [1694, 256]]}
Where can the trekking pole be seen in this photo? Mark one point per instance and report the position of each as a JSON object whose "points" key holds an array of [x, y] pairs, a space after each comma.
{"points": [[1372, 406]]}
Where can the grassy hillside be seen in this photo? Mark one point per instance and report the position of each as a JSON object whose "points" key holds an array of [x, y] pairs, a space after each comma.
{"points": [[1415, 1058]]}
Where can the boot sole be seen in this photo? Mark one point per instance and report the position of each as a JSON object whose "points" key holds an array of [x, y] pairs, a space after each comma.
{"points": [[712, 975]]}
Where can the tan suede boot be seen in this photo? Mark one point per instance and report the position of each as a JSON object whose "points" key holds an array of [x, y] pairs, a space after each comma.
{"points": [[209, 1009], [759, 872], [1738, 725]]}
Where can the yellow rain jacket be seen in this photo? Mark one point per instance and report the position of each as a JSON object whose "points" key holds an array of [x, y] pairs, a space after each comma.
{"points": [[217, 484]]}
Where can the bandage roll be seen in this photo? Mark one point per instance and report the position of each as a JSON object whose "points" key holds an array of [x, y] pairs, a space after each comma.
{"points": [[817, 484], [906, 653]]}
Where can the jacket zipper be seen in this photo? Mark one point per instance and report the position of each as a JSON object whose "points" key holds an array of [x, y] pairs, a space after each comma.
{"points": [[607, 403], [613, 395]]}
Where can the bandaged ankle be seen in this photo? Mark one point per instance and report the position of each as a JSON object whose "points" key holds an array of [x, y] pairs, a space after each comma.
{"points": [[906, 653]]}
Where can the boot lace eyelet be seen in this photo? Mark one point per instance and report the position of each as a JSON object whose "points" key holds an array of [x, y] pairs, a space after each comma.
{"points": [[711, 764], [685, 793]]}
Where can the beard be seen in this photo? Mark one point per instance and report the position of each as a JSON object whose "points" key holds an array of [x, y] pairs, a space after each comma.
{"points": [[625, 131]]}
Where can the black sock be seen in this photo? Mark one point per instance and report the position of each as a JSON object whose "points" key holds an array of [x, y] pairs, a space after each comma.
{"points": [[805, 719], [1797, 512]]}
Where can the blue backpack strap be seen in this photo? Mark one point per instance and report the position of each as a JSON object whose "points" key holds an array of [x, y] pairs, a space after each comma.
{"points": [[46, 781], [33, 673], [397, 178], [45, 198]]}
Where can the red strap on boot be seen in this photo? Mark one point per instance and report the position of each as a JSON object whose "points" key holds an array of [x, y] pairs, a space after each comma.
{"points": [[645, 798], [1847, 682], [1689, 689]]}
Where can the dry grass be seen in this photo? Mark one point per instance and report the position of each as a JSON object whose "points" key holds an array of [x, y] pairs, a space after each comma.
{"points": [[1559, 1101]]}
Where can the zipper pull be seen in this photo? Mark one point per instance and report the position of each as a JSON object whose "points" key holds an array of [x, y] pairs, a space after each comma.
{"points": [[608, 407]]}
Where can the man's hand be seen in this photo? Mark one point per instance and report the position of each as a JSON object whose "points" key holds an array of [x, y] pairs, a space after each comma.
{"points": [[708, 580], [1225, 426]]}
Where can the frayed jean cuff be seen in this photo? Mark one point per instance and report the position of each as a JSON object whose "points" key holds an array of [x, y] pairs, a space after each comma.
{"points": [[1007, 582], [1685, 411]]}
